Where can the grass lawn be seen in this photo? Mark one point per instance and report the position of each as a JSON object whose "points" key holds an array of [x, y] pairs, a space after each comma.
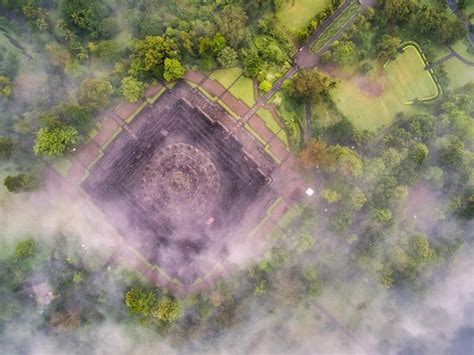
{"points": [[459, 74], [437, 52], [273, 125], [295, 14], [270, 122], [226, 76], [367, 112], [243, 90], [409, 78], [62, 166], [461, 47], [324, 113], [372, 103], [290, 114]]}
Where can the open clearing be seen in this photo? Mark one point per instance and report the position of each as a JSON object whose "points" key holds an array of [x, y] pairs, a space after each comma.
{"points": [[295, 14], [226, 77], [371, 102], [461, 47], [409, 78], [459, 74]]}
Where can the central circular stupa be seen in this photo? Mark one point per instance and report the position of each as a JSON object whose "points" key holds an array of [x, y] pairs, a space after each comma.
{"points": [[181, 183]]}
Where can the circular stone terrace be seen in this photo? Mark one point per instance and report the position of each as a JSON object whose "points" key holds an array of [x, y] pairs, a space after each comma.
{"points": [[181, 182]]}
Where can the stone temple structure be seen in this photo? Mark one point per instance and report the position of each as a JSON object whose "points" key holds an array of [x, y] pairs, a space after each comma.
{"points": [[181, 183]]}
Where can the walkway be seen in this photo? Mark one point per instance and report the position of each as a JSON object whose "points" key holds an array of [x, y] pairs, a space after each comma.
{"points": [[452, 54], [461, 58], [263, 99], [305, 58]]}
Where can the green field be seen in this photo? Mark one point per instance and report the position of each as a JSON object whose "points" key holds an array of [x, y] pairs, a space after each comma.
{"points": [[401, 82], [462, 48], [295, 14], [459, 74], [364, 111], [270, 122], [243, 90], [226, 77], [408, 76]]}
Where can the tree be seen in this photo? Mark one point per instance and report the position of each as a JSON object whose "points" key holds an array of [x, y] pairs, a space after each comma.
{"points": [[342, 52], [139, 301], [21, 183], [265, 86], [330, 196], [342, 132], [25, 249], [149, 54], [381, 214], [309, 83], [388, 47], [173, 69], [398, 11], [78, 116], [167, 309], [87, 17], [418, 153], [6, 87], [452, 152], [348, 162], [231, 22], [9, 63], [56, 141], [132, 89], [6, 147], [95, 93], [317, 154], [227, 57], [357, 199]]}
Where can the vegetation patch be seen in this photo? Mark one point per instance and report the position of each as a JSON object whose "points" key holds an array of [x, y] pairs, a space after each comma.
{"points": [[226, 77], [295, 14], [371, 101], [62, 166], [242, 89], [407, 74], [459, 74], [334, 27]]}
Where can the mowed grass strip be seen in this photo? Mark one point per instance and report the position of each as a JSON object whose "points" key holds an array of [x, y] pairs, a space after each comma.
{"points": [[408, 76], [226, 77], [334, 27], [242, 89], [367, 112], [273, 125], [295, 14]]}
